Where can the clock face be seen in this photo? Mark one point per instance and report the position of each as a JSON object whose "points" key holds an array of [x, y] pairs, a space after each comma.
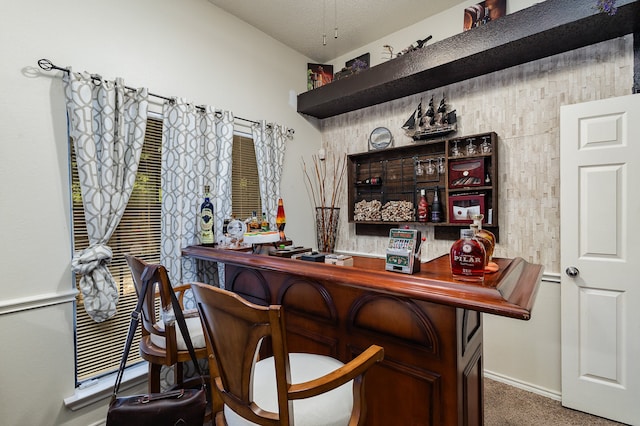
{"points": [[380, 138], [236, 228]]}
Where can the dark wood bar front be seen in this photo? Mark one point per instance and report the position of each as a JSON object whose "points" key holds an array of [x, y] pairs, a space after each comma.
{"points": [[429, 325]]}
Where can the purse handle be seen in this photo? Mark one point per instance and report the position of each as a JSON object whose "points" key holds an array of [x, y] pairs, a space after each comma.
{"points": [[147, 274]]}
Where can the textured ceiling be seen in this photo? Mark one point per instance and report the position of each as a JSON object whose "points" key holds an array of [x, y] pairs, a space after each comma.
{"points": [[300, 24]]}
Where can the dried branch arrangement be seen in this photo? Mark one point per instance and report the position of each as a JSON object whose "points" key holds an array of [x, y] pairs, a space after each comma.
{"points": [[325, 189]]}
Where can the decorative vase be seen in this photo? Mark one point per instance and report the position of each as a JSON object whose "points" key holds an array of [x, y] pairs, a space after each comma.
{"points": [[326, 228]]}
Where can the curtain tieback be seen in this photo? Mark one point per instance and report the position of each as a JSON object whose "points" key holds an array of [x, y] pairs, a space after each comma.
{"points": [[86, 261]]}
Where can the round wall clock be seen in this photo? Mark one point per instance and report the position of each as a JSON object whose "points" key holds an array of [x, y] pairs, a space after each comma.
{"points": [[380, 138]]}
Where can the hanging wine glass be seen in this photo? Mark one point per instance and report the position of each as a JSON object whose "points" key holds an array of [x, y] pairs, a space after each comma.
{"points": [[431, 168], [485, 146], [419, 168], [471, 148], [441, 168], [455, 151]]}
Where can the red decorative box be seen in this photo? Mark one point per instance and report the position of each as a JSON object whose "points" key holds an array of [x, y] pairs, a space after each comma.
{"points": [[464, 173], [463, 207]]}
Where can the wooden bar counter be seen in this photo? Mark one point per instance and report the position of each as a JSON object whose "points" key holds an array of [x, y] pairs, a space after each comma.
{"points": [[429, 325]]}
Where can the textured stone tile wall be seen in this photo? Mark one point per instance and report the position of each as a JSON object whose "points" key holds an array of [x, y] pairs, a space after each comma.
{"points": [[522, 105]]}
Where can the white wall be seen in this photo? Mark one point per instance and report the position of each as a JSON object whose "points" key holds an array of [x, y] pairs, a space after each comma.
{"points": [[186, 48]]}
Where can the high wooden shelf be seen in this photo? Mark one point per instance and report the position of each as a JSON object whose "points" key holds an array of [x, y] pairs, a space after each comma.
{"points": [[464, 181], [542, 30]]}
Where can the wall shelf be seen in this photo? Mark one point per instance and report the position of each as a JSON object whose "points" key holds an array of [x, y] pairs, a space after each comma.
{"points": [[542, 30], [465, 184]]}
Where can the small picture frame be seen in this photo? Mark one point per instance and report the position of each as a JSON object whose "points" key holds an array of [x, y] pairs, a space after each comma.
{"points": [[483, 12], [354, 66], [362, 62], [318, 75]]}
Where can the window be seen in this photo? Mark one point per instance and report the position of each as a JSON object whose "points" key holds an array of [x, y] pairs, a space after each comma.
{"points": [[99, 345]]}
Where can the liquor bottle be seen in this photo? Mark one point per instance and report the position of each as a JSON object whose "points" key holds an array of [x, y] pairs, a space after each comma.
{"points": [[487, 238], [467, 257], [423, 207], [264, 224], [374, 180], [254, 225], [206, 219], [281, 219], [436, 208]]}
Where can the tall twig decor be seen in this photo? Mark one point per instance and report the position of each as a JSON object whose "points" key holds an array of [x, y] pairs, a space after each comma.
{"points": [[324, 184]]}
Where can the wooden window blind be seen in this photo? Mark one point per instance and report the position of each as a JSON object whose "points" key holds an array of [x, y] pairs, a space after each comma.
{"points": [[99, 345], [245, 190]]}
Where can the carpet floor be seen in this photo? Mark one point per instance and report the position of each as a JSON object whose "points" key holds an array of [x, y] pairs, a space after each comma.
{"points": [[505, 405]]}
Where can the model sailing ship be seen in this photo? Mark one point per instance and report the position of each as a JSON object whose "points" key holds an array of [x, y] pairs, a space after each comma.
{"points": [[432, 123]]}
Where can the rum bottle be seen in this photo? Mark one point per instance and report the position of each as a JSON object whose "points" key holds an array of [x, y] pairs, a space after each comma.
{"points": [[423, 207], [206, 219], [487, 238], [281, 219], [467, 257]]}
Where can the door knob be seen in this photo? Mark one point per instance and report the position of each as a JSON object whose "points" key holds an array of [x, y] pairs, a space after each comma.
{"points": [[572, 271]]}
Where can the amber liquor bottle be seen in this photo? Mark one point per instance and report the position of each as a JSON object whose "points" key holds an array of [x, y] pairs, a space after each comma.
{"points": [[254, 225], [468, 257], [264, 224], [206, 219]]}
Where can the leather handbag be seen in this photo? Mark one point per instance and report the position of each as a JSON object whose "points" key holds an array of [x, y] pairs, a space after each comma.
{"points": [[176, 407]]}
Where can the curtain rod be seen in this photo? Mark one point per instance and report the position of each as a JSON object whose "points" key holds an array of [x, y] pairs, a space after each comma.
{"points": [[47, 65]]}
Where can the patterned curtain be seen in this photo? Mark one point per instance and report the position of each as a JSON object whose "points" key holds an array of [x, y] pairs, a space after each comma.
{"points": [[269, 142], [106, 125], [196, 151]]}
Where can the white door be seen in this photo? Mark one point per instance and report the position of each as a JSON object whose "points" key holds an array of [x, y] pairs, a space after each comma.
{"points": [[600, 257]]}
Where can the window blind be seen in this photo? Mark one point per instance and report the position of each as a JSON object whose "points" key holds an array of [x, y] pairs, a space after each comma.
{"points": [[99, 345], [245, 190]]}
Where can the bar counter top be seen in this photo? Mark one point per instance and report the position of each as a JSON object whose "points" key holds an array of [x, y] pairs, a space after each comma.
{"points": [[510, 292]]}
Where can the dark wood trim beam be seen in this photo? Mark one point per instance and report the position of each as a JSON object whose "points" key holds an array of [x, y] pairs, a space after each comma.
{"points": [[542, 30]]}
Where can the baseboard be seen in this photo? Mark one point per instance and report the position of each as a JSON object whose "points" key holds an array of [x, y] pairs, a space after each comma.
{"points": [[524, 386]]}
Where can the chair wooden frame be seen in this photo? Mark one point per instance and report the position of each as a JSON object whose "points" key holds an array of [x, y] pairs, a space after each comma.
{"points": [[155, 355], [234, 329]]}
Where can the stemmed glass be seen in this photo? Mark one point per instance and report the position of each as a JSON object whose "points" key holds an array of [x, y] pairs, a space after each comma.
{"points": [[441, 168], [419, 168], [431, 169], [485, 146], [455, 151], [471, 148]]}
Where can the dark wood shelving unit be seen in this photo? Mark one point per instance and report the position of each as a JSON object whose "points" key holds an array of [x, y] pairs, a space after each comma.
{"points": [[542, 30], [397, 180]]}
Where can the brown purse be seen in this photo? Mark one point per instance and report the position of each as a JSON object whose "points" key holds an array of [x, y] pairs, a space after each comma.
{"points": [[184, 407]]}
